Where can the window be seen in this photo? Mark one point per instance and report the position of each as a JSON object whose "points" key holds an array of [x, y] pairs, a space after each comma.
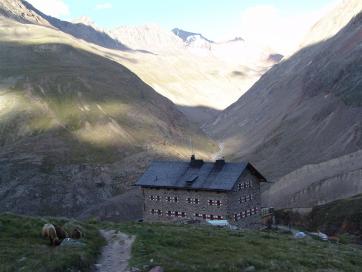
{"points": [[176, 214], [156, 198], [171, 198], [158, 212], [246, 198], [215, 203], [192, 200]]}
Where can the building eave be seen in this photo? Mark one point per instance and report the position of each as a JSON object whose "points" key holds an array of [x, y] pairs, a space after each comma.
{"points": [[183, 188]]}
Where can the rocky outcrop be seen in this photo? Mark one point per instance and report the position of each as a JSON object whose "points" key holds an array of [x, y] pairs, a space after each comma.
{"points": [[19, 11]]}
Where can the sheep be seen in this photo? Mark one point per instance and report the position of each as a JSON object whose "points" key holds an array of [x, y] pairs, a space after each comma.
{"points": [[76, 233], [61, 233], [49, 231]]}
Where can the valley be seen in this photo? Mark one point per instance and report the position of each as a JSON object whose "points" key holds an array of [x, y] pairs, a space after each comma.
{"points": [[84, 110]]}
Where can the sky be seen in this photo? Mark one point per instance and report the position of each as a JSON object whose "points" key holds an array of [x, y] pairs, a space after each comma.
{"points": [[278, 24]]}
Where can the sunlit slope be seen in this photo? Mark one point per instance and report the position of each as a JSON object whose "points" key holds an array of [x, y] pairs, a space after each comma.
{"points": [[201, 81], [75, 126]]}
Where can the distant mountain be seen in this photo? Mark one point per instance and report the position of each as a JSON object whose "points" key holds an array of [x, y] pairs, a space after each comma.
{"points": [[77, 127], [186, 35], [150, 37], [300, 123], [237, 39]]}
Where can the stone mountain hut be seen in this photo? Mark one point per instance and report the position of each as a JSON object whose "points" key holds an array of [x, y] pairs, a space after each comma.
{"points": [[198, 190]]}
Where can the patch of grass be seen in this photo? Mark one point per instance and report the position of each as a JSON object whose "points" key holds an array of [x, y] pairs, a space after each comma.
{"points": [[341, 216], [22, 247], [202, 248]]}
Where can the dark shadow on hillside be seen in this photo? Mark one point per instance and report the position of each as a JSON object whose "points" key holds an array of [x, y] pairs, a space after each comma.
{"points": [[238, 74], [54, 169], [285, 142]]}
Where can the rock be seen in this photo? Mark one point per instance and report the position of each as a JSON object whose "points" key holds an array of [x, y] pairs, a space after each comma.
{"points": [[157, 269], [249, 269], [22, 259], [72, 242]]}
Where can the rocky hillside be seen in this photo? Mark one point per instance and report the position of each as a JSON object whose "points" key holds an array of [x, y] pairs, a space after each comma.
{"points": [[24, 12], [304, 111], [192, 39], [150, 38], [76, 126]]}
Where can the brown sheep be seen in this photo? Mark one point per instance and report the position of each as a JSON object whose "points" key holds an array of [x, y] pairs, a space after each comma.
{"points": [[61, 233], [76, 233], [49, 231]]}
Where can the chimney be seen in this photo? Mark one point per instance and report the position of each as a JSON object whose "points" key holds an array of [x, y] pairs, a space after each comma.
{"points": [[195, 162], [219, 163]]}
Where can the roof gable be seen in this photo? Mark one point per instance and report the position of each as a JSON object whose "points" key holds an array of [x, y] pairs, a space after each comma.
{"points": [[181, 174]]}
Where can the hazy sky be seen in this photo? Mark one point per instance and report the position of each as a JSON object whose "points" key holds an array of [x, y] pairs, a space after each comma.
{"points": [[256, 20]]}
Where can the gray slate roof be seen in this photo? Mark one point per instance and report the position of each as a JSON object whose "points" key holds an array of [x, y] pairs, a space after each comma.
{"points": [[180, 174]]}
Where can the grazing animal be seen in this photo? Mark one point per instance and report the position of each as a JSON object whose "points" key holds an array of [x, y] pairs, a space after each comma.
{"points": [[49, 231], [61, 233], [334, 239], [76, 233]]}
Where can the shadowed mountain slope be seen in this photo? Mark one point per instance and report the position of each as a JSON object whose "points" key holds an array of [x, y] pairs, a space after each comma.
{"points": [[304, 111], [77, 127]]}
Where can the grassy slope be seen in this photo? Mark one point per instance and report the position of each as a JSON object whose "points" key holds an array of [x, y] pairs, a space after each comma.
{"points": [[23, 249], [174, 247], [342, 218], [190, 248], [339, 216]]}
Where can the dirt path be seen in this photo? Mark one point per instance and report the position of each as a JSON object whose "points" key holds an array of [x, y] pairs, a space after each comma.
{"points": [[116, 253]]}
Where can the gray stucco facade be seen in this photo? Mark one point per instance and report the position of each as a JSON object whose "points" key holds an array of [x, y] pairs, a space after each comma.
{"points": [[240, 205]]}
